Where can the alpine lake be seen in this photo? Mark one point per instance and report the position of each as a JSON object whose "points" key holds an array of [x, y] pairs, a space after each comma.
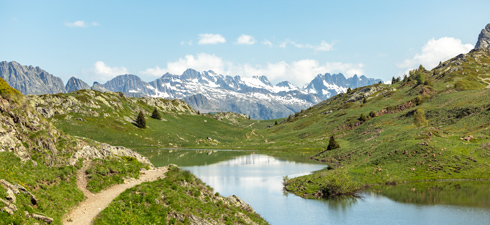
{"points": [[257, 179]]}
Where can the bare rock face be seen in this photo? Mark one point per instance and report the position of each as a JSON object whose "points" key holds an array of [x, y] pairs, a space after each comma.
{"points": [[75, 84], [484, 38], [30, 80]]}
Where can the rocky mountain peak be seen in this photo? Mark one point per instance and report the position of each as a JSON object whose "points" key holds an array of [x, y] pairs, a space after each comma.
{"points": [[484, 38], [75, 84]]}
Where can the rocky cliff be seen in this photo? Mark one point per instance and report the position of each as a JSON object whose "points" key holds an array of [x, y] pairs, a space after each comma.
{"points": [[484, 38], [29, 79], [75, 84]]}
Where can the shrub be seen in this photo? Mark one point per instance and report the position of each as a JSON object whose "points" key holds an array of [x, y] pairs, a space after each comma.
{"points": [[363, 118], [156, 114], [372, 114], [419, 118], [140, 120]]}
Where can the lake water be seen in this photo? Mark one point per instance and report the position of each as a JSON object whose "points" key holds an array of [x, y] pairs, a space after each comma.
{"points": [[257, 179]]}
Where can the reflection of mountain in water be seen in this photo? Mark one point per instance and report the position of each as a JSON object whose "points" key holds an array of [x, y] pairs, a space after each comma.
{"points": [[254, 159]]}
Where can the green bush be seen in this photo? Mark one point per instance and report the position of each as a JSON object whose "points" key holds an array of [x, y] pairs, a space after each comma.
{"points": [[140, 120], [419, 118]]}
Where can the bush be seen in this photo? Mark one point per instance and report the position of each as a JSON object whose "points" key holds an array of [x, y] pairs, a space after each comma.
{"points": [[419, 118], [363, 118], [372, 114]]}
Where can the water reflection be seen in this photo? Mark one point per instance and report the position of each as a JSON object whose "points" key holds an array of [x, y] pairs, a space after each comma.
{"points": [[257, 179], [460, 193]]}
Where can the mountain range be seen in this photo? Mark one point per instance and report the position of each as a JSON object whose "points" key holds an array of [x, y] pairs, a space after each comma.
{"points": [[205, 91]]}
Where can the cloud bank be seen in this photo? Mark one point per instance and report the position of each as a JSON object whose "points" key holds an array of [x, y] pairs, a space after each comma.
{"points": [[206, 39], [245, 40], [435, 51]]}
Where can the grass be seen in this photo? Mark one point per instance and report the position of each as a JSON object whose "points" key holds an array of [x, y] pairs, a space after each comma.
{"points": [[177, 199], [104, 173], [54, 187]]}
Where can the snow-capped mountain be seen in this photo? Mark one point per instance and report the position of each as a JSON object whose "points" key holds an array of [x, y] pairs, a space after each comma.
{"points": [[256, 96], [208, 91], [328, 85], [205, 91]]}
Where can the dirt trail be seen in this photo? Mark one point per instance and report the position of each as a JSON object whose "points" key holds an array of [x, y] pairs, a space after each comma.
{"points": [[95, 203]]}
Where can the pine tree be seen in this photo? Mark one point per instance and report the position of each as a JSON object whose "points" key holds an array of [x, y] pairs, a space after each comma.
{"points": [[156, 114], [393, 80], [140, 120], [349, 90], [275, 123], [332, 144]]}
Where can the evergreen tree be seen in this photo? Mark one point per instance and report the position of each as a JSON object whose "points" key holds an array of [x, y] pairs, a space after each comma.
{"points": [[349, 90], [419, 118], [393, 80], [364, 101], [156, 114], [332, 144], [275, 123], [140, 120], [420, 78]]}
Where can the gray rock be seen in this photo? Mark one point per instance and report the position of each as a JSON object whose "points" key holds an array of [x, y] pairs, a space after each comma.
{"points": [[484, 38], [30, 80], [75, 84], [45, 219], [99, 87]]}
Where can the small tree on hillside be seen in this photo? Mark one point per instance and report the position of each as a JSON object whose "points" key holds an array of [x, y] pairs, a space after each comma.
{"points": [[156, 114], [332, 144], [140, 120], [419, 118], [363, 118], [349, 90]]}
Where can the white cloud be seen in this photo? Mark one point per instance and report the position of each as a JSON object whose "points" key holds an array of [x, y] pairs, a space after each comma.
{"points": [[200, 62], [323, 46], [186, 43], [298, 72], [245, 40], [105, 72], [435, 51], [80, 23], [205, 39], [267, 42]]}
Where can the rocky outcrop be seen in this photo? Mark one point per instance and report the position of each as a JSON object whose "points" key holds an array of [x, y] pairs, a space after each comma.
{"points": [[368, 91], [96, 150], [29, 79], [11, 200], [75, 84], [99, 87], [484, 38]]}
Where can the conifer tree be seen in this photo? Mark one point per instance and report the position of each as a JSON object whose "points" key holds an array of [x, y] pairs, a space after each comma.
{"points": [[140, 120], [156, 114], [332, 144], [349, 90]]}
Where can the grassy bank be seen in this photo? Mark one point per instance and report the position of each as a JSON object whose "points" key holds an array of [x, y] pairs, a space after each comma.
{"points": [[179, 198]]}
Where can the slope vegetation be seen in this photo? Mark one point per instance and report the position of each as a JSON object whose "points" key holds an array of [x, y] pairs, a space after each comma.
{"points": [[431, 125]]}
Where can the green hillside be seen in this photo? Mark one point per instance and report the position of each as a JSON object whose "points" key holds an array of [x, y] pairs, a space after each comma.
{"points": [[381, 141]]}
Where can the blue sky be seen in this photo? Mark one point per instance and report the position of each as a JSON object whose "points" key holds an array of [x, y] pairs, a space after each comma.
{"points": [[285, 40]]}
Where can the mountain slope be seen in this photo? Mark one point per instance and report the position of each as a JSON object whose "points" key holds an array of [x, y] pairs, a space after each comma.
{"points": [[383, 138], [29, 79]]}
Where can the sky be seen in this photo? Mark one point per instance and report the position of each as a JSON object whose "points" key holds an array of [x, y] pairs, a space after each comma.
{"points": [[284, 40]]}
